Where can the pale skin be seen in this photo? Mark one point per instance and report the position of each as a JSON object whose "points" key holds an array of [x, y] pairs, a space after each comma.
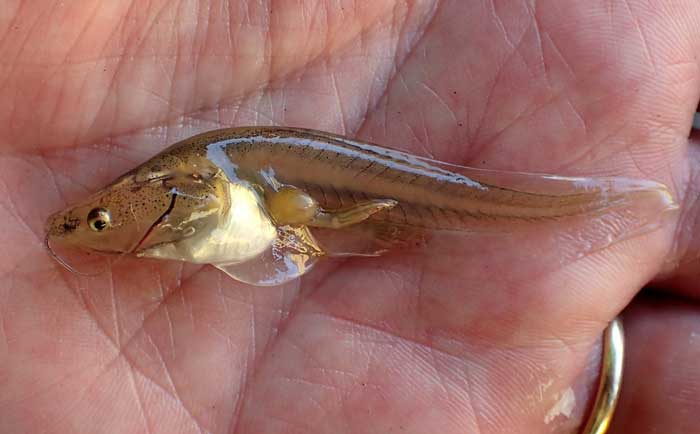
{"points": [[390, 344]]}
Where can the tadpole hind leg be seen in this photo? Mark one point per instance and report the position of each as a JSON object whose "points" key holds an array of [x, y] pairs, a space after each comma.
{"points": [[293, 206], [342, 218]]}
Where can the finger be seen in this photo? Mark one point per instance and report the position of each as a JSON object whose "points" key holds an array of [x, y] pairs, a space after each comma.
{"points": [[681, 271], [661, 381]]}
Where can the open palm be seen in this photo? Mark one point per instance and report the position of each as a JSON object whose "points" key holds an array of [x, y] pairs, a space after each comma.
{"points": [[450, 344]]}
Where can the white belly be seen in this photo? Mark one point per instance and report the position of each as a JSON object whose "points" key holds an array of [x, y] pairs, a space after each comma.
{"points": [[240, 233]]}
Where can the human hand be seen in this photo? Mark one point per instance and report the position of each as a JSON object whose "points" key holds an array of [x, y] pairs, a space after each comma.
{"points": [[392, 344]]}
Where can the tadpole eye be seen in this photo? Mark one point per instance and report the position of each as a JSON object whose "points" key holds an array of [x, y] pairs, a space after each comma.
{"points": [[98, 219]]}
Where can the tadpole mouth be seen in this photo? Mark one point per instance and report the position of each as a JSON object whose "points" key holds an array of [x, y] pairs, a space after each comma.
{"points": [[51, 228], [58, 258], [78, 258]]}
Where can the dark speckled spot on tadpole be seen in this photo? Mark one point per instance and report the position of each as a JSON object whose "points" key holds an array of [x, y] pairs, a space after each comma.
{"points": [[70, 224]]}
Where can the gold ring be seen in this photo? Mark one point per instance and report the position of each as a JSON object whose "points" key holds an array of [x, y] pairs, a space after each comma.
{"points": [[610, 379]]}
